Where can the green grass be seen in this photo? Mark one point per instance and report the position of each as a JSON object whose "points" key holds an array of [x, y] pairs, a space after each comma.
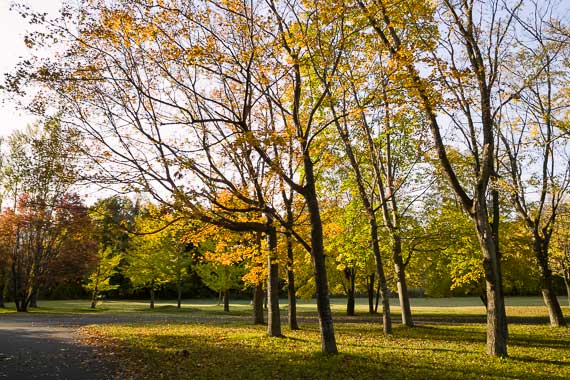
{"points": [[228, 347], [459, 306], [239, 351]]}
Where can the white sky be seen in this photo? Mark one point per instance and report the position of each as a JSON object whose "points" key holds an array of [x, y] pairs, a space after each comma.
{"points": [[12, 48]]}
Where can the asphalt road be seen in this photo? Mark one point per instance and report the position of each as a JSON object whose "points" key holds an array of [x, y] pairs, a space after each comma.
{"points": [[36, 347]]}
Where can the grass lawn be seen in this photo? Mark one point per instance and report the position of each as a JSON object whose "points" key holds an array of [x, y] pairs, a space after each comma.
{"points": [[240, 351], [457, 306], [226, 349], [218, 345]]}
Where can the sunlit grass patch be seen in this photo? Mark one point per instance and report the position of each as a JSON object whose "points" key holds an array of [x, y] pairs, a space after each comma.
{"points": [[240, 351]]}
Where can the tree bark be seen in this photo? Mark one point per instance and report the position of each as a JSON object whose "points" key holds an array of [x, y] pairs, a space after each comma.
{"points": [[328, 340], [94, 298], [291, 296], [567, 283], [350, 276], [34, 298], [20, 296], [370, 293], [226, 294], [497, 333], [179, 293], [403, 295], [258, 318], [152, 297], [540, 247], [2, 287], [3, 283], [273, 314]]}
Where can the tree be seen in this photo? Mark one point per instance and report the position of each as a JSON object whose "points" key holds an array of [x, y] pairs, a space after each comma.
{"points": [[39, 169], [349, 244], [561, 244], [113, 219], [153, 258], [535, 163], [106, 267], [6, 246], [239, 125], [467, 62]]}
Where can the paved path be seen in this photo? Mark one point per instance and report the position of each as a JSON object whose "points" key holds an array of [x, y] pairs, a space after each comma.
{"points": [[48, 346], [36, 347]]}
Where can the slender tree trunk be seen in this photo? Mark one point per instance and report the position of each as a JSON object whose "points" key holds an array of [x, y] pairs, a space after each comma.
{"points": [[350, 293], [273, 314], [370, 293], [3, 284], [497, 333], [328, 340], [403, 295], [291, 296], [382, 284], [152, 297], [258, 304], [265, 299], [567, 283], [540, 247], [378, 299], [179, 293], [34, 297], [20, 298], [2, 287], [94, 295], [226, 300]]}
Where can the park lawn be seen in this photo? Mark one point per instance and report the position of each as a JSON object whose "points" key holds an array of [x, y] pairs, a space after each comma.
{"points": [[445, 307], [242, 351]]}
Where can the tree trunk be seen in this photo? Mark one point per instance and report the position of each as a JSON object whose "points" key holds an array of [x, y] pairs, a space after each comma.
{"points": [[540, 247], [258, 304], [179, 293], [382, 284], [291, 296], [226, 294], [20, 297], [497, 333], [370, 293], [3, 283], [567, 283], [94, 298], [401, 281], [377, 298], [273, 315], [328, 340], [350, 276], [265, 299], [34, 298], [152, 297]]}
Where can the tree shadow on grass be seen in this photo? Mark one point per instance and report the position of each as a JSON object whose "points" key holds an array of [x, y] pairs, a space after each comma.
{"points": [[468, 334], [251, 355]]}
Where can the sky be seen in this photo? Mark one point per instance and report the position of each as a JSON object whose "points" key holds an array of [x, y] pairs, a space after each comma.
{"points": [[12, 49]]}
